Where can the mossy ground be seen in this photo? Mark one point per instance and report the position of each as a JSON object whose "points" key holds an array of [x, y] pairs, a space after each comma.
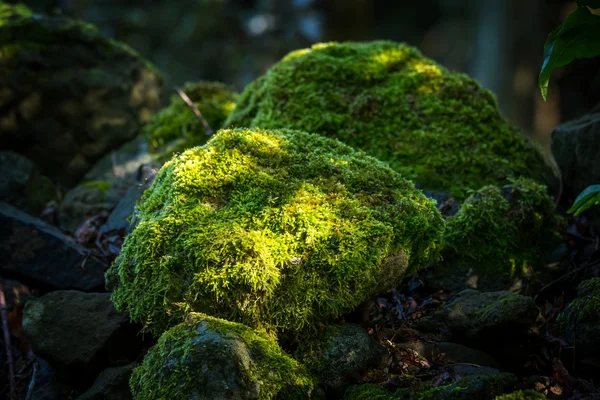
{"points": [[503, 230], [278, 229], [434, 126], [170, 370], [176, 128]]}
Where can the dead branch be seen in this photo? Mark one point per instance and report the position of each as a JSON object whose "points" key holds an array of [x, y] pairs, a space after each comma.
{"points": [[207, 129]]}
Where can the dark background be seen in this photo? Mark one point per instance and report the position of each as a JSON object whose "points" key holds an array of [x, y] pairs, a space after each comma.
{"points": [[499, 42]]}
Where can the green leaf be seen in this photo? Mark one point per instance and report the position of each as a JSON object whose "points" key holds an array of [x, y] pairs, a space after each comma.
{"points": [[577, 37], [588, 198], [589, 3]]}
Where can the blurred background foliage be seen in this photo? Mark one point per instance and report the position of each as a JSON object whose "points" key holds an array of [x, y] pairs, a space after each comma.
{"points": [[499, 42]]}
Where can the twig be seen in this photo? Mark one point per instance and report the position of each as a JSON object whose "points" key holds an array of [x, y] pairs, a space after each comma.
{"points": [[32, 382], [207, 129], [9, 358], [593, 264]]}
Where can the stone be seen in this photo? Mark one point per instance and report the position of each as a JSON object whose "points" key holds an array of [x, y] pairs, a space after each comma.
{"points": [[64, 107], [453, 352], [40, 255], [79, 334], [111, 384], [119, 217], [342, 353], [23, 185]]}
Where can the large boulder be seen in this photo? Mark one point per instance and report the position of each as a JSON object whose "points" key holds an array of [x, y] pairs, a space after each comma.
{"points": [[111, 384], [23, 185], [207, 358], [79, 334], [500, 239], [176, 127], [277, 229], [436, 127], [68, 95], [40, 255]]}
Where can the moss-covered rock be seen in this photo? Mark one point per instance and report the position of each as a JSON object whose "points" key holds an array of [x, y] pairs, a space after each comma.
{"points": [[433, 126], [498, 237], [522, 395], [68, 95], [176, 128], [278, 229], [368, 391], [209, 358], [472, 387]]}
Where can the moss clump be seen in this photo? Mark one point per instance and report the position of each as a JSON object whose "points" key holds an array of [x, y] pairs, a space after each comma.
{"points": [[278, 229], [207, 357], [368, 391], [502, 231], [522, 395], [176, 127], [585, 308], [433, 126]]}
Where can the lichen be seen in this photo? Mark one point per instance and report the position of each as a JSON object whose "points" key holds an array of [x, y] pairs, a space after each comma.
{"points": [[502, 230], [277, 229], [176, 128], [205, 353], [434, 126]]}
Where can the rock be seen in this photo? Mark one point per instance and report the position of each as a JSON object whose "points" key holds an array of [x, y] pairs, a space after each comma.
{"points": [[433, 126], [207, 358], [123, 162], [79, 334], [580, 324], [66, 106], [118, 219], [474, 387], [248, 228], [497, 238], [447, 204], [476, 318], [342, 353], [111, 384], [46, 386], [40, 255], [575, 146], [23, 185], [91, 198], [453, 352]]}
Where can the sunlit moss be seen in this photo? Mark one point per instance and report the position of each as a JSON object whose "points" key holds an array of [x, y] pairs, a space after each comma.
{"points": [[522, 395], [277, 229], [433, 126], [176, 128], [207, 357]]}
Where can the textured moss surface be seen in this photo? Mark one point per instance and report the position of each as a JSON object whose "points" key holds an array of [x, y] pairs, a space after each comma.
{"points": [[586, 306], [499, 233], [208, 358], [433, 126], [522, 395], [278, 229], [176, 128], [68, 94]]}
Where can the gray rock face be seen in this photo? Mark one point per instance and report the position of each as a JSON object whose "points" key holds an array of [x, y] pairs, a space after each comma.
{"points": [[40, 255], [484, 318], [66, 106], [576, 146], [344, 352], [118, 219], [22, 184], [111, 384], [79, 334], [480, 387]]}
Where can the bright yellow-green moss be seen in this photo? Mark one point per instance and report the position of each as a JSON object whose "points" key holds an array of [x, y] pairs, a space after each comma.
{"points": [[204, 354], [503, 229], [277, 229], [522, 395], [436, 127], [176, 127]]}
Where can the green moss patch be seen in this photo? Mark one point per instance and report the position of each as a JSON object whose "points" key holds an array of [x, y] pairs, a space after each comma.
{"points": [[434, 126], [207, 357], [278, 229], [176, 128]]}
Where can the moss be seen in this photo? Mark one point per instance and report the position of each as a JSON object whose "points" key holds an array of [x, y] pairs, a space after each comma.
{"points": [[368, 391], [205, 357], [433, 126], [177, 122], [585, 308], [522, 395], [278, 229], [503, 230], [471, 387]]}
